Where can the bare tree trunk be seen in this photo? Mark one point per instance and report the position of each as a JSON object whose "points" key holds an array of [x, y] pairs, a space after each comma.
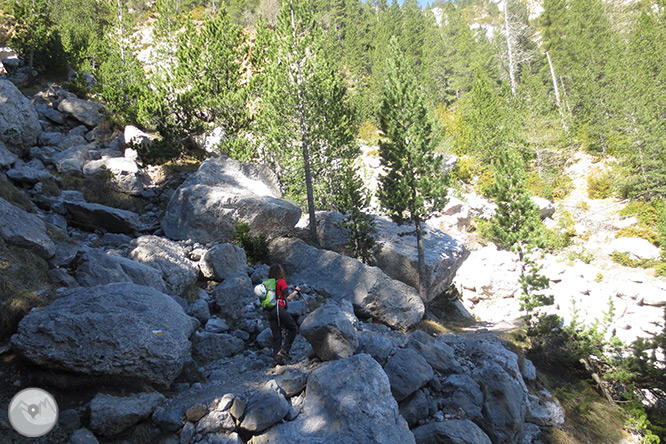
{"points": [[305, 145], [552, 75], [509, 44], [421, 259]]}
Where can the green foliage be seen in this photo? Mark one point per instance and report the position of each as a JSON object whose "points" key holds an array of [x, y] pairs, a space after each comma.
{"points": [[304, 118], [413, 188], [580, 254], [627, 261], [256, 247], [353, 197], [599, 186], [36, 39]]}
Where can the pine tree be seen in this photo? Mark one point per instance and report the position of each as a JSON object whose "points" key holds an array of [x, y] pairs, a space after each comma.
{"points": [[204, 90], [413, 187], [516, 226], [304, 118]]}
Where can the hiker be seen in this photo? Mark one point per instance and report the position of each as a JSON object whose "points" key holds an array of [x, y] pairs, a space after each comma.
{"points": [[279, 317]]}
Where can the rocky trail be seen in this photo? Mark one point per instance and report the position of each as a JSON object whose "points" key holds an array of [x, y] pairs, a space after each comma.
{"points": [[153, 333]]}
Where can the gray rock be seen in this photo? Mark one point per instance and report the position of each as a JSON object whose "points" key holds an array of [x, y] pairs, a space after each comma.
{"points": [[87, 112], [187, 433], [199, 309], [23, 229], [124, 173], [451, 432], [90, 216], [414, 408], [7, 158], [216, 421], [18, 119], [265, 408], [397, 256], [178, 272], [407, 371], [134, 136], [223, 438], [53, 138], [111, 415], [292, 380], [222, 261], [99, 268], [83, 436], [377, 345], [372, 293], [28, 175], [505, 403], [69, 419], [232, 295], [72, 160], [222, 193], [216, 325], [437, 353], [125, 330], [330, 333], [210, 347], [167, 419], [461, 392], [349, 401], [72, 140]]}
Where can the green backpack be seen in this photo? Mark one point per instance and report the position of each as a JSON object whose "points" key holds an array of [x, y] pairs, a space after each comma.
{"points": [[267, 294]]}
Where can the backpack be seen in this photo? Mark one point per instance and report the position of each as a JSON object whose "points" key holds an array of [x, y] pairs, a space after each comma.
{"points": [[267, 294]]}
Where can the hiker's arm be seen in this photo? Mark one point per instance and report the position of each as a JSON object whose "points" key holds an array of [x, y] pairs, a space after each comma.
{"points": [[293, 293]]}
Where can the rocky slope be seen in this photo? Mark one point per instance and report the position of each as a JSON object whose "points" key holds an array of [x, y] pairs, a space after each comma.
{"points": [[154, 334]]}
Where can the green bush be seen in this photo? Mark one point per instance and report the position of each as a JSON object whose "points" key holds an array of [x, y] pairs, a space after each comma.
{"points": [[625, 260], [256, 247], [599, 186]]}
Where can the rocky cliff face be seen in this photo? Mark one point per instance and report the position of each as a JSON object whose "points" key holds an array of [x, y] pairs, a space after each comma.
{"points": [[157, 300]]}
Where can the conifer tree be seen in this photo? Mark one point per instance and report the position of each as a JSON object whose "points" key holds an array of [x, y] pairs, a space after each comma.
{"points": [[516, 226], [304, 118], [203, 90], [414, 186]]}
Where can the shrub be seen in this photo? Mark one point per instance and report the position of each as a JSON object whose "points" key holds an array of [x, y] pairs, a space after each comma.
{"points": [[368, 132], [599, 186], [581, 255], [256, 247], [642, 231], [625, 260]]}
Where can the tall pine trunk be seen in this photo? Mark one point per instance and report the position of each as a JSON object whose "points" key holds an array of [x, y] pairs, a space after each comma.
{"points": [[421, 259]]}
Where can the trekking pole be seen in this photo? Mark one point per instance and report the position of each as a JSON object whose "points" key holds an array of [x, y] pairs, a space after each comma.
{"points": [[306, 301]]}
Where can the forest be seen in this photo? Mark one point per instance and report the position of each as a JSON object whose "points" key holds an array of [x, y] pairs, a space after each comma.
{"points": [[512, 88]]}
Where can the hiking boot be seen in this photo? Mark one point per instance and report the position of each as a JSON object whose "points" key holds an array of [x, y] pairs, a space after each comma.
{"points": [[278, 360], [284, 355]]}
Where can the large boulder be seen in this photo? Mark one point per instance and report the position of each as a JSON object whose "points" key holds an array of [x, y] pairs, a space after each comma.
{"points": [[407, 371], [96, 267], [19, 123], [125, 173], [266, 407], [499, 376], [330, 333], [233, 295], [122, 330], [222, 193], [372, 293], [397, 256], [348, 400], [71, 160], [23, 229], [437, 353], [87, 112], [178, 272], [92, 216], [222, 261], [111, 415]]}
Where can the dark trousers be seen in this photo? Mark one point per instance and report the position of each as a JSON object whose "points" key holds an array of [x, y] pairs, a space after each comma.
{"points": [[287, 322]]}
